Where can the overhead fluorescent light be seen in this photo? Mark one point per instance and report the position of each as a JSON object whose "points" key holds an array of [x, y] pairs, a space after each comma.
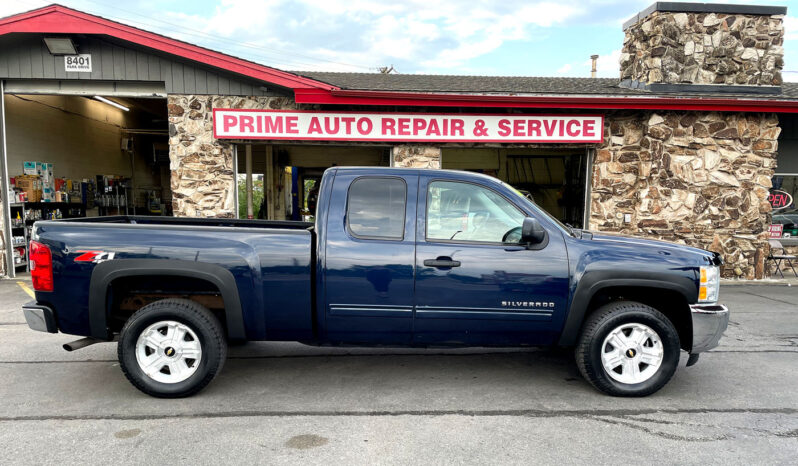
{"points": [[60, 46], [111, 103]]}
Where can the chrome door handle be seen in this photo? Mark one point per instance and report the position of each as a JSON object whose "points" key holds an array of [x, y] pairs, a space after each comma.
{"points": [[441, 263]]}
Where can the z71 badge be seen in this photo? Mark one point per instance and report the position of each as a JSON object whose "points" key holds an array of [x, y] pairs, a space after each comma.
{"points": [[95, 257]]}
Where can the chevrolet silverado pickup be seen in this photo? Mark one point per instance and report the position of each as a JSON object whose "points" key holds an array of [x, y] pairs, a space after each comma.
{"points": [[396, 257]]}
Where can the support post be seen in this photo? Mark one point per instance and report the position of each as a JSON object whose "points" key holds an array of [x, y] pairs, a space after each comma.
{"points": [[249, 180], [4, 185], [502, 156], [588, 185], [295, 190], [268, 185], [236, 209]]}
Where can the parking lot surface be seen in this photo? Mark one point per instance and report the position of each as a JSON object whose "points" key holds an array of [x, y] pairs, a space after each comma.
{"points": [[288, 403]]}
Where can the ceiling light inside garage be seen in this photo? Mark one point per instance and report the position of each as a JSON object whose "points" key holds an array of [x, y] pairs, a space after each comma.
{"points": [[60, 46], [112, 103]]}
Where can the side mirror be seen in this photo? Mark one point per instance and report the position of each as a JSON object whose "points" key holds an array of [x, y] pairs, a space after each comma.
{"points": [[532, 232]]}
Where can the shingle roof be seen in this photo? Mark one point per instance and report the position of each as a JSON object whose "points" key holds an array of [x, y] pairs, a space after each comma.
{"points": [[512, 85], [477, 84]]}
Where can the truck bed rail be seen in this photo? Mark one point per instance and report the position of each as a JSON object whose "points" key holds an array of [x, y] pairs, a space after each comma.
{"points": [[188, 221]]}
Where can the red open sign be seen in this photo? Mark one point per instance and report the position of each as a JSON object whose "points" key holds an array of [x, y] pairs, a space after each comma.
{"points": [[779, 199]]}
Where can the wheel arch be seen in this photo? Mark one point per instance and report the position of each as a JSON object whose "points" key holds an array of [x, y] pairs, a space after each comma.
{"points": [[106, 273], [656, 293]]}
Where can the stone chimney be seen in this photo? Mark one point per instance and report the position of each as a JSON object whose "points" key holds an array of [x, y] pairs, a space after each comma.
{"points": [[704, 47]]}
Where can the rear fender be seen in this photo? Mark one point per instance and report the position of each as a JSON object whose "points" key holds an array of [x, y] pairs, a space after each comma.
{"points": [[105, 273]]}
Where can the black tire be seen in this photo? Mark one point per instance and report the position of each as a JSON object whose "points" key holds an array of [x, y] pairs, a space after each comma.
{"points": [[609, 317], [200, 320]]}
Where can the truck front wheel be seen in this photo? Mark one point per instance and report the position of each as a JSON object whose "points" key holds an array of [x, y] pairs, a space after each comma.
{"points": [[628, 349], [172, 348]]}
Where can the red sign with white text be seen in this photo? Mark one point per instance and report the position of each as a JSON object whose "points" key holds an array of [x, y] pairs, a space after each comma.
{"points": [[421, 127]]}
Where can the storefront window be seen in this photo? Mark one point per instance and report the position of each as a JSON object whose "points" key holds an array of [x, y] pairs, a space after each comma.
{"points": [[782, 200]]}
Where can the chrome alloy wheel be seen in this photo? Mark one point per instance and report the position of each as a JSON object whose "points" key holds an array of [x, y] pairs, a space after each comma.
{"points": [[632, 353], [168, 351]]}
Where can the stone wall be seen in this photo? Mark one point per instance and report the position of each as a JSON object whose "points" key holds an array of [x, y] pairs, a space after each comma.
{"points": [[704, 48], [202, 167], [416, 156], [700, 179]]}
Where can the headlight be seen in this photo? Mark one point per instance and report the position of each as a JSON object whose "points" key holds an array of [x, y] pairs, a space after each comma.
{"points": [[709, 285]]}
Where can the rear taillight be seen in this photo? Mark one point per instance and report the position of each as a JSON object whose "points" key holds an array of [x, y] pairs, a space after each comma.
{"points": [[41, 267]]}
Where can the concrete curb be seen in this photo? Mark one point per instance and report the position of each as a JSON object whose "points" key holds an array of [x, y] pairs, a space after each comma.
{"points": [[762, 282]]}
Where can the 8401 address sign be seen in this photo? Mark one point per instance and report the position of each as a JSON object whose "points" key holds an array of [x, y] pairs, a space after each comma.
{"points": [[78, 63]]}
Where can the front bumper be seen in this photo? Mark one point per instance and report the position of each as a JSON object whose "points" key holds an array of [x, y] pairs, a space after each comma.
{"points": [[709, 323], [39, 317]]}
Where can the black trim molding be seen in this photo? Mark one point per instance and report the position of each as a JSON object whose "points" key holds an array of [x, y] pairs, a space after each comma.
{"points": [[592, 283], [105, 273]]}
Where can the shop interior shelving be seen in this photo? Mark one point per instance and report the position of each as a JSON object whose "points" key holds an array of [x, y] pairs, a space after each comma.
{"points": [[45, 210], [19, 231]]}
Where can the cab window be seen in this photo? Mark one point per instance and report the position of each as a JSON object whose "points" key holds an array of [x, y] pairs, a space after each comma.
{"points": [[467, 212], [376, 208]]}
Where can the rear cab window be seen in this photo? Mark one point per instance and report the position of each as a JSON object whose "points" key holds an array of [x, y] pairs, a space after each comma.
{"points": [[376, 208]]}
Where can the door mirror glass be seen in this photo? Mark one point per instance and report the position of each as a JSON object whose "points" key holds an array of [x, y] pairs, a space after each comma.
{"points": [[532, 232]]}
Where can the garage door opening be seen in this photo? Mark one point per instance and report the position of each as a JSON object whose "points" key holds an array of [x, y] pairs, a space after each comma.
{"points": [[556, 179], [71, 156]]}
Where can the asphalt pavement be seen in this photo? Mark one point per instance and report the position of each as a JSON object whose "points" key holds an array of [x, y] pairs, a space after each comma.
{"points": [[281, 403]]}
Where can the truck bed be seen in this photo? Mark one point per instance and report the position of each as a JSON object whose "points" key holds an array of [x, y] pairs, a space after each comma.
{"points": [[270, 264]]}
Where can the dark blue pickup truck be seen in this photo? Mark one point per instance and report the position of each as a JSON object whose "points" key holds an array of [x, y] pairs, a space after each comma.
{"points": [[397, 257]]}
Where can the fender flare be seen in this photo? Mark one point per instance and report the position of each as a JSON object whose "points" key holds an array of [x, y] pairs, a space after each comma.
{"points": [[106, 272], [588, 287]]}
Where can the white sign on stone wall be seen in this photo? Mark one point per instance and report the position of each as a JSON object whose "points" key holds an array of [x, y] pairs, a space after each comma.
{"points": [[421, 127]]}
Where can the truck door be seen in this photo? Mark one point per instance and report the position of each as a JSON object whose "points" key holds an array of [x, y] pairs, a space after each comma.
{"points": [[370, 250], [474, 288]]}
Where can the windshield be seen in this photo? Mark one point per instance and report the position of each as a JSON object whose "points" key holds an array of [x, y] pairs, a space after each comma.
{"points": [[537, 209]]}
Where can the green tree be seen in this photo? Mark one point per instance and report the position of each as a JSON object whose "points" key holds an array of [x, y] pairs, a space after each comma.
{"points": [[257, 197]]}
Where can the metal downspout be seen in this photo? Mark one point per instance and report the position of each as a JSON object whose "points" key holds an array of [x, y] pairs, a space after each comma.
{"points": [[9, 249], [248, 162]]}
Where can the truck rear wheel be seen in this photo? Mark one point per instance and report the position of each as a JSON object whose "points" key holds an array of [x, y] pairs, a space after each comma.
{"points": [[172, 348], [628, 349]]}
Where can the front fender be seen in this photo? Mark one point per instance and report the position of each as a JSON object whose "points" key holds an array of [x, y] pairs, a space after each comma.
{"points": [[592, 282]]}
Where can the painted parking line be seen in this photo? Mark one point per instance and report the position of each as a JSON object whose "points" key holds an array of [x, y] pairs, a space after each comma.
{"points": [[26, 289]]}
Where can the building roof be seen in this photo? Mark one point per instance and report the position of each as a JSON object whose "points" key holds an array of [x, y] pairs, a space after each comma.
{"points": [[374, 89], [509, 85], [58, 19], [470, 84]]}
